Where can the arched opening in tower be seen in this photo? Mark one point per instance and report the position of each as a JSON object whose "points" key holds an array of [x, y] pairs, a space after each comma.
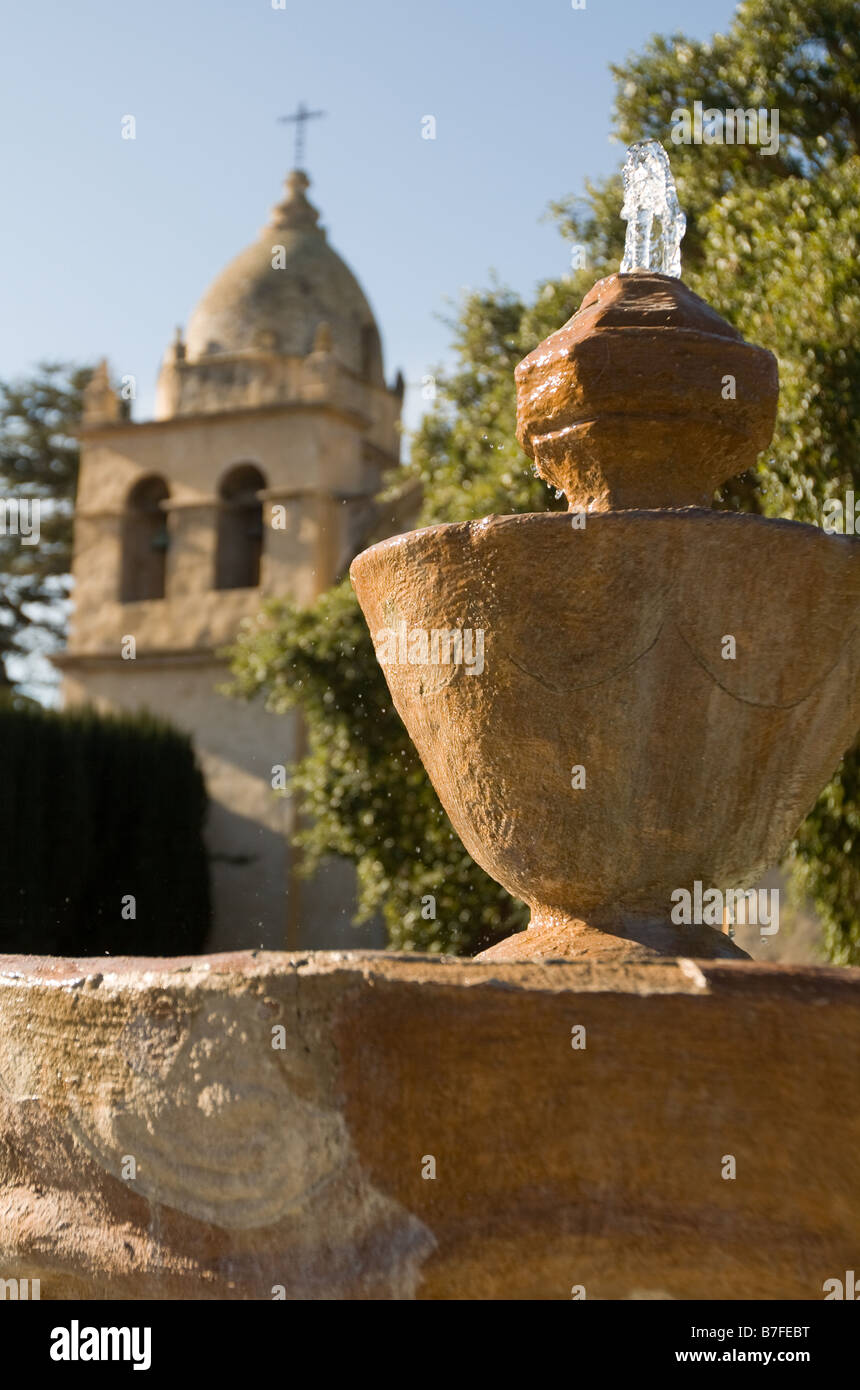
{"points": [[145, 541], [240, 528]]}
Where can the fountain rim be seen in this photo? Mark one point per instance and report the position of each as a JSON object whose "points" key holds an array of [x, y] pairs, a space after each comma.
{"points": [[670, 974], [477, 526]]}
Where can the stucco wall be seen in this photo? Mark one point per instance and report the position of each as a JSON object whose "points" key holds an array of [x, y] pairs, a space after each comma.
{"points": [[258, 899], [317, 468]]}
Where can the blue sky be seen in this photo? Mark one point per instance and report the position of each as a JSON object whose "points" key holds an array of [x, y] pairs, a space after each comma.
{"points": [[108, 243]]}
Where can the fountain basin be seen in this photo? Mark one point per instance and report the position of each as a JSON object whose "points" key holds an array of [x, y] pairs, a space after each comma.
{"points": [[598, 1169], [603, 651]]}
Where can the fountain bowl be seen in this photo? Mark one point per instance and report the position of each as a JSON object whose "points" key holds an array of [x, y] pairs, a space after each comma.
{"points": [[615, 746]]}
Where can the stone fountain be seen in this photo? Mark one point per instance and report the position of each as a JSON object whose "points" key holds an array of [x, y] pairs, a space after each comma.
{"points": [[664, 689], [358, 1125]]}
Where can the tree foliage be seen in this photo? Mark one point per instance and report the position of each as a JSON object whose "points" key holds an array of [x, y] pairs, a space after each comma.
{"points": [[38, 461], [772, 243]]}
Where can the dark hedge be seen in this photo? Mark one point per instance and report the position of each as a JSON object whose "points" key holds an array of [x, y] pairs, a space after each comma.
{"points": [[95, 809]]}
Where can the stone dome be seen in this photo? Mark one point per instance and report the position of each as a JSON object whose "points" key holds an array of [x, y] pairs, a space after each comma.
{"points": [[285, 301]]}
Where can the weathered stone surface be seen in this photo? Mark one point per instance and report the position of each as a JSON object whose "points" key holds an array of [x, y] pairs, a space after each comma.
{"points": [[613, 936], [603, 649], [662, 692], [302, 1167], [627, 405]]}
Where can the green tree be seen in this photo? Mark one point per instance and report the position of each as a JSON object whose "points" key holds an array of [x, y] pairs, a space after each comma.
{"points": [[772, 243], [38, 461]]}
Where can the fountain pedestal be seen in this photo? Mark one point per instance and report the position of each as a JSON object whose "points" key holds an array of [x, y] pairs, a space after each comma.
{"points": [[663, 689]]}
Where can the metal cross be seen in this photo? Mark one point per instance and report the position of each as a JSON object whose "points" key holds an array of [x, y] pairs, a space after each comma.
{"points": [[300, 117]]}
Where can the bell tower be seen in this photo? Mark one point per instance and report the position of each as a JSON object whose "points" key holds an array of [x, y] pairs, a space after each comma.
{"points": [[257, 477]]}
